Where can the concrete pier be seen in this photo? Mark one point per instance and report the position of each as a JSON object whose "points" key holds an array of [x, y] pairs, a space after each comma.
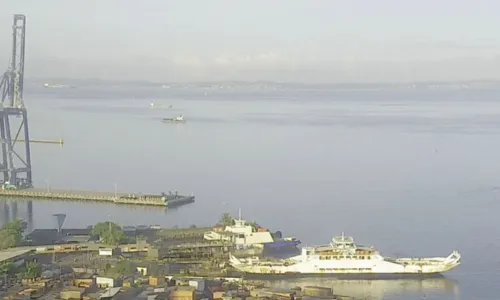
{"points": [[80, 195], [59, 141]]}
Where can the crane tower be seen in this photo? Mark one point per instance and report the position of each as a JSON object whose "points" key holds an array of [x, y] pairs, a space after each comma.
{"points": [[15, 162]]}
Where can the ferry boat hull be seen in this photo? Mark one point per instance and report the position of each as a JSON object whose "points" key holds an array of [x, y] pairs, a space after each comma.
{"points": [[383, 269], [343, 276], [282, 244], [281, 247]]}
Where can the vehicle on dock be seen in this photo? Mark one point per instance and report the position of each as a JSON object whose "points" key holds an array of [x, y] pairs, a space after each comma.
{"points": [[9, 187], [22, 184], [343, 258], [178, 119]]}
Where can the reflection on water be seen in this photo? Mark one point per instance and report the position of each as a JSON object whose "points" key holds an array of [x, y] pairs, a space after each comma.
{"points": [[432, 288], [11, 209], [40, 213]]}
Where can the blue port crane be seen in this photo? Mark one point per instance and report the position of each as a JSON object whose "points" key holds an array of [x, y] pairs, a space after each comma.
{"points": [[15, 161]]}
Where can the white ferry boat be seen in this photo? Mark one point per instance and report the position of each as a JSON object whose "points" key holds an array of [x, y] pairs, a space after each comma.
{"points": [[342, 257]]}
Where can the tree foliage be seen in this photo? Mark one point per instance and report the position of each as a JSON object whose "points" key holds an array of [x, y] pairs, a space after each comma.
{"points": [[6, 268], [226, 219], [140, 238], [109, 233], [124, 267], [33, 269], [11, 234]]}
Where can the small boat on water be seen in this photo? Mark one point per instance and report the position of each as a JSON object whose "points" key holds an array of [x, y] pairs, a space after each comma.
{"points": [[178, 119], [154, 105]]}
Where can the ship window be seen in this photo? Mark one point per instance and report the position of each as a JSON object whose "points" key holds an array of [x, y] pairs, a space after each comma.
{"points": [[368, 257]]}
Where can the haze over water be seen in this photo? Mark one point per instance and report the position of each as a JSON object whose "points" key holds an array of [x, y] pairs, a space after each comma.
{"points": [[412, 172]]}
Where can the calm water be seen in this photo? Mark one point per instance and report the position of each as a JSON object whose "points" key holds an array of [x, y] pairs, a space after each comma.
{"points": [[411, 172]]}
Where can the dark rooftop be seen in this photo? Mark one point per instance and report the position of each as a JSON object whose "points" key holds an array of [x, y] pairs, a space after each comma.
{"points": [[50, 236]]}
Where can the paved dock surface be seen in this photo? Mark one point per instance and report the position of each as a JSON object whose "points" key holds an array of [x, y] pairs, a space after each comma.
{"points": [[99, 196], [80, 192], [8, 253]]}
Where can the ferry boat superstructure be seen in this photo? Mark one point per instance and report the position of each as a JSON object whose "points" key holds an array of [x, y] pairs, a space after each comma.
{"points": [[243, 235], [343, 257]]}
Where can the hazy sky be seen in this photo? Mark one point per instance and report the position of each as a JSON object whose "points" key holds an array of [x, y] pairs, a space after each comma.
{"points": [[282, 40]]}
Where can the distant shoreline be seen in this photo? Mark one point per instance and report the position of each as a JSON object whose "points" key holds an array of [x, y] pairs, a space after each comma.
{"points": [[224, 85]]}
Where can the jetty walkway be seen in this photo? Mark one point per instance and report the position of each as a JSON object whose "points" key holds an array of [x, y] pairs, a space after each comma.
{"points": [[98, 196]]}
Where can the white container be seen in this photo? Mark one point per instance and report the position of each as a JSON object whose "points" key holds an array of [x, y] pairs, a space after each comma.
{"points": [[198, 284], [105, 281], [106, 252]]}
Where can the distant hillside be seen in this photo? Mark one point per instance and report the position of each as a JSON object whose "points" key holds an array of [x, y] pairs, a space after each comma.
{"points": [[265, 84]]}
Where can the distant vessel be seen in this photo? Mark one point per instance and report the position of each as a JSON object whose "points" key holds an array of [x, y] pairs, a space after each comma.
{"points": [[178, 119], [154, 105], [343, 258], [52, 85], [243, 236]]}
